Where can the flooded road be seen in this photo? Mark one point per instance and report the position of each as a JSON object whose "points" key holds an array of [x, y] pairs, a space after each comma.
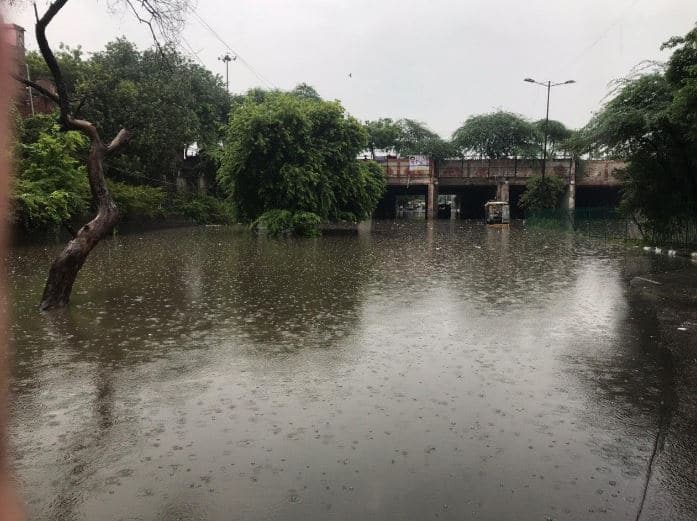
{"points": [[418, 371]]}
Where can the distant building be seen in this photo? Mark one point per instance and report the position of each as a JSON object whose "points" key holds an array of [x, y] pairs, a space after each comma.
{"points": [[28, 101]]}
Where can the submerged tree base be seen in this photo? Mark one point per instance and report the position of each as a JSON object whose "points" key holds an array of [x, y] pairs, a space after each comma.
{"points": [[284, 222]]}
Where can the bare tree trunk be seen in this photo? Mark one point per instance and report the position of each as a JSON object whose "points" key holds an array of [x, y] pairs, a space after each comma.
{"points": [[161, 16], [66, 266]]}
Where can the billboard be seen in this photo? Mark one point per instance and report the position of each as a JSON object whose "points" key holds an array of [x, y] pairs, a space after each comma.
{"points": [[419, 165]]}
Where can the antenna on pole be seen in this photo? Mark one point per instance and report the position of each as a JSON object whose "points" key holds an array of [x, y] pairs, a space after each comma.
{"points": [[227, 59]]}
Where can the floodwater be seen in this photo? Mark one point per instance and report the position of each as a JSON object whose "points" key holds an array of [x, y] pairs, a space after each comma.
{"points": [[414, 371]]}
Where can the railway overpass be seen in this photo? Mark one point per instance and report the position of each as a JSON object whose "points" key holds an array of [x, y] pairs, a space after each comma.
{"points": [[474, 182]]}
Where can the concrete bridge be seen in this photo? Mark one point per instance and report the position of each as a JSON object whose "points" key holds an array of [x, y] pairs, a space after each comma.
{"points": [[476, 181]]}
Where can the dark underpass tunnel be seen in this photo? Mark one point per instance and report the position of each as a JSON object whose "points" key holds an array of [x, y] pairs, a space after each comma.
{"points": [[514, 193], [472, 200], [597, 196]]}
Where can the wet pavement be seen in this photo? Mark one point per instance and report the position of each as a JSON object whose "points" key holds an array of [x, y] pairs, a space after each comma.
{"points": [[415, 371]]}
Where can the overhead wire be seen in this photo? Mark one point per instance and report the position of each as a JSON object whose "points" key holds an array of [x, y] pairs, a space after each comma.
{"points": [[617, 21], [217, 36]]}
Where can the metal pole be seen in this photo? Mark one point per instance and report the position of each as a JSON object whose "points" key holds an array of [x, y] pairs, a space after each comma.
{"points": [[31, 96], [227, 59], [544, 152]]}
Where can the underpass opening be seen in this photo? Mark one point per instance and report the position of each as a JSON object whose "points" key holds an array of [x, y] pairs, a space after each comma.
{"points": [[403, 202], [598, 196], [514, 193], [472, 199]]}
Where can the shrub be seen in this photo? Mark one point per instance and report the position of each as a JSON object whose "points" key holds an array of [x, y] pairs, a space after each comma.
{"points": [[202, 209], [138, 202], [51, 184], [542, 193], [306, 224], [284, 222]]}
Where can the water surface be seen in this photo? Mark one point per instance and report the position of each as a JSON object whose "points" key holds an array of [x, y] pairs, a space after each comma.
{"points": [[416, 371]]}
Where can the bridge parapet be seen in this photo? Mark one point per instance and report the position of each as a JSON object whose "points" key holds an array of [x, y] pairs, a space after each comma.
{"points": [[599, 172], [488, 172]]}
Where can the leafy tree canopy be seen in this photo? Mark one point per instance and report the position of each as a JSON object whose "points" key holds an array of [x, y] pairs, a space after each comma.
{"points": [[167, 101], [290, 152], [558, 137], [651, 122], [496, 135], [383, 134]]}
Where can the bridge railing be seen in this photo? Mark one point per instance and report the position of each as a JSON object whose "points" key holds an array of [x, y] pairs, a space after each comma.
{"points": [[502, 168], [400, 168], [586, 172]]}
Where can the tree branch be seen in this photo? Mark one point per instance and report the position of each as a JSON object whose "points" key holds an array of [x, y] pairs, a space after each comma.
{"points": [[121, 139], [50, 59], [38, 88]]}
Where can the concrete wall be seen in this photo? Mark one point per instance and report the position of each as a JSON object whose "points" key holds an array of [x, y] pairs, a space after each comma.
{"points": [[498, 168], [598, 172]]}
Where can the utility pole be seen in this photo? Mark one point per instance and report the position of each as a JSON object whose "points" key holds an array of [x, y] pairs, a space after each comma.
{"points": [[548, 86], [31, 95], [227, 59]]}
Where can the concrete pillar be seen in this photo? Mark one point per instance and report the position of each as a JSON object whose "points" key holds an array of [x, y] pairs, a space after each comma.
{"points": [[569, 201], [180, 182], [432, 200], [202, 184], [502, 191]]}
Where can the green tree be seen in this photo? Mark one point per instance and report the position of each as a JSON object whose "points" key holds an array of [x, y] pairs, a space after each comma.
{"points": [[164, 18], [496, 135], [557, 137], [651, 123], [414, 137], [383, 134], [293, 153], [542, 193], [50, 186], [303, 90], [168, 102]]}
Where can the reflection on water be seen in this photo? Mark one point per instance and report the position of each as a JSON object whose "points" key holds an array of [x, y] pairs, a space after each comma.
{"points": [[422, 370]]}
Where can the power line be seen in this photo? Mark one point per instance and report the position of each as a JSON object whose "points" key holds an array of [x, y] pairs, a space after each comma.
{"points": [[602, 35], [189, 50], [249, 66]]}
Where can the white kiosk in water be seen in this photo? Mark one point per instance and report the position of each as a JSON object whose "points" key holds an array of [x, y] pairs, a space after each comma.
{"points": [[497, 214]]}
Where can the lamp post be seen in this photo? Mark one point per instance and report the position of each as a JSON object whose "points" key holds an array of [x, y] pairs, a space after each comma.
{"points": [[227, 59], [548, 86]]}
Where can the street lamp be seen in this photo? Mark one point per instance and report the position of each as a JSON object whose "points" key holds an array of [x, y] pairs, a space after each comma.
{"points": [[549, 86], [227, 59]]}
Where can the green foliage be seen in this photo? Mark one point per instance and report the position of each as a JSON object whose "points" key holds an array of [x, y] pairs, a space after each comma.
{"points": [[50, 185], [289, 152], [383, 134], [137, 203], [542, 193], [651, 122], [306, 224], [414, 137], [497, 135], [201, 209], [284, 222], [164, 99], [557, 137], [274, 223], [305, 91]]}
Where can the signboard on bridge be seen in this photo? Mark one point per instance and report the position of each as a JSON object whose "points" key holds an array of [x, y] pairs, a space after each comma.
{"points": [[419, 165]]}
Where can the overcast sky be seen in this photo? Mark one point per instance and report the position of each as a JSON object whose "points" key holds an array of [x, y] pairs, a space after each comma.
{"points": [[436, 61]]}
